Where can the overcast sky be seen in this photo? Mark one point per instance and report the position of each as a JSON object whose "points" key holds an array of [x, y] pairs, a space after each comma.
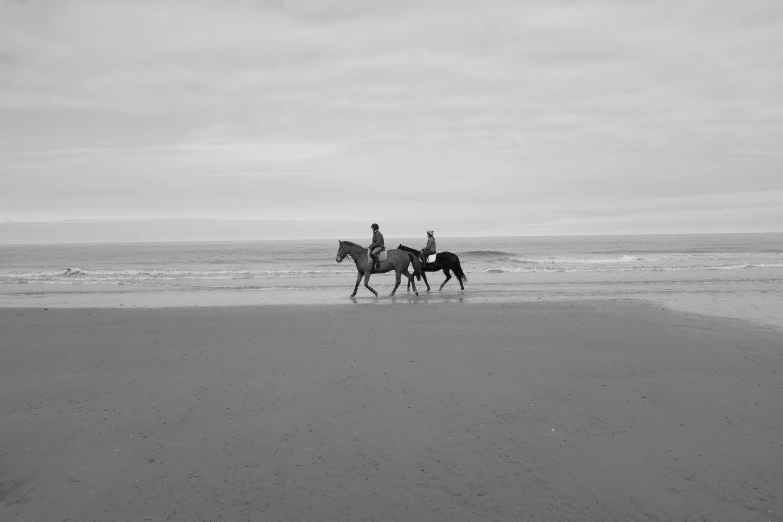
{"points": [[513, 117]]}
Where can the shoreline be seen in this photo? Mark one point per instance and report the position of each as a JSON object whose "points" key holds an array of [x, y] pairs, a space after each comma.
{"points": [[760, 303]]}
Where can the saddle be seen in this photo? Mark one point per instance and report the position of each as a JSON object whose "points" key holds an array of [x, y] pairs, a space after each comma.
{"points": [[381, 256], [431, 258]]}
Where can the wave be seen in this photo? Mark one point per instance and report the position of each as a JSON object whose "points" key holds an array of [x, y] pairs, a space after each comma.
{"points": [[485, 253], [502, 256], [491, 264], [86, 276], [598, 268], [576, 260]]}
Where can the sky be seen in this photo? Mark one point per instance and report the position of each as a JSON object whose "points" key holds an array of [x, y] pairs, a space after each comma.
{"points": [[161, 120]]}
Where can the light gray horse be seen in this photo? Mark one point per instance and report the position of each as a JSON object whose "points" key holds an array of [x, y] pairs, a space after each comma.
{"points": [[396, 260]]}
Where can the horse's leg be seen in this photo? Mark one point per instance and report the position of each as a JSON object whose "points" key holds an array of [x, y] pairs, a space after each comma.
{"points": [[411, 281], [397, 282], [356, 286], [424, 276], [448, 276], [367, 282]]}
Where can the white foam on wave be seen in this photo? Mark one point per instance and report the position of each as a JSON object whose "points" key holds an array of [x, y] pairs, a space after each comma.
{"points": [[312, 270], [114, 276], [576, 260], [594, 268]]}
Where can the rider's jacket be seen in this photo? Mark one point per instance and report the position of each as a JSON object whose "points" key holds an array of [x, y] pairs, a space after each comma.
{"points": [[377, 239]]}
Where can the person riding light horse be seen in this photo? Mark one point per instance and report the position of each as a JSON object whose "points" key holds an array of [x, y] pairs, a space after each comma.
{"points": [[376, 247]]}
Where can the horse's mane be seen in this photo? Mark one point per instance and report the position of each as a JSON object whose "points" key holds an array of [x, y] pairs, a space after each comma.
{"points": [[408, 249], [351, 243]]}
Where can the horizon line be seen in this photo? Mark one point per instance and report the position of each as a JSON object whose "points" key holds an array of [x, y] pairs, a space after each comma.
{"points": [[2, 244]]}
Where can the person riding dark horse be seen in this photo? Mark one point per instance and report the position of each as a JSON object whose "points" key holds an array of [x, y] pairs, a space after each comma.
{"points": [[376, 247], [429, 249], [446, 261]]}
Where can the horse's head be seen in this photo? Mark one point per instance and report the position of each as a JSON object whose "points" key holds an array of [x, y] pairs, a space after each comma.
{"points": [[341, 252]]}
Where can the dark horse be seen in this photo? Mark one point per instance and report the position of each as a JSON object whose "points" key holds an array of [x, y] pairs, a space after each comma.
{"points": [[443, 261], [396, 260]]}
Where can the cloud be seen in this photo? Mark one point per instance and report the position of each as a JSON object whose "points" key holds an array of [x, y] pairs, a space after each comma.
{"points": [[125, 108]]}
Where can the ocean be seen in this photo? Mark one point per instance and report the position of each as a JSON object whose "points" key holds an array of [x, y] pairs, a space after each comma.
{"points": [[270, 272]]}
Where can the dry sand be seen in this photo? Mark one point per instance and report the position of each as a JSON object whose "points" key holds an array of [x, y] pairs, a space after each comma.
{"points": [[605, 410]]}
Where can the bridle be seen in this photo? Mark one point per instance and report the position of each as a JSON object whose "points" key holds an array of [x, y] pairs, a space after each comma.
{"points": [[346, 254]]}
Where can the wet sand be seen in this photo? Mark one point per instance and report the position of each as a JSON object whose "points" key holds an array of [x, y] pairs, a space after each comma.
{"points": [[581, 410]]}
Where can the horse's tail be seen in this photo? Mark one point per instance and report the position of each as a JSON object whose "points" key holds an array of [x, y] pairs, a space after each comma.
{"points": [[457, 269], [416, 266]]}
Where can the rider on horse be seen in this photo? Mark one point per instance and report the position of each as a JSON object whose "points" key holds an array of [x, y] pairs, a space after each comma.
{"points": [[429, 249], [376, 247]]}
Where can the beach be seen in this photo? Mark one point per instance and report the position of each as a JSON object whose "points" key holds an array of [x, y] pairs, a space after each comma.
{"points": [[581, 409], [362, 261]]}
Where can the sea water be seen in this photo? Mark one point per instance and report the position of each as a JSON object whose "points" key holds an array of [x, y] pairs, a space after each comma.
{"points": [[270, 272]]}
